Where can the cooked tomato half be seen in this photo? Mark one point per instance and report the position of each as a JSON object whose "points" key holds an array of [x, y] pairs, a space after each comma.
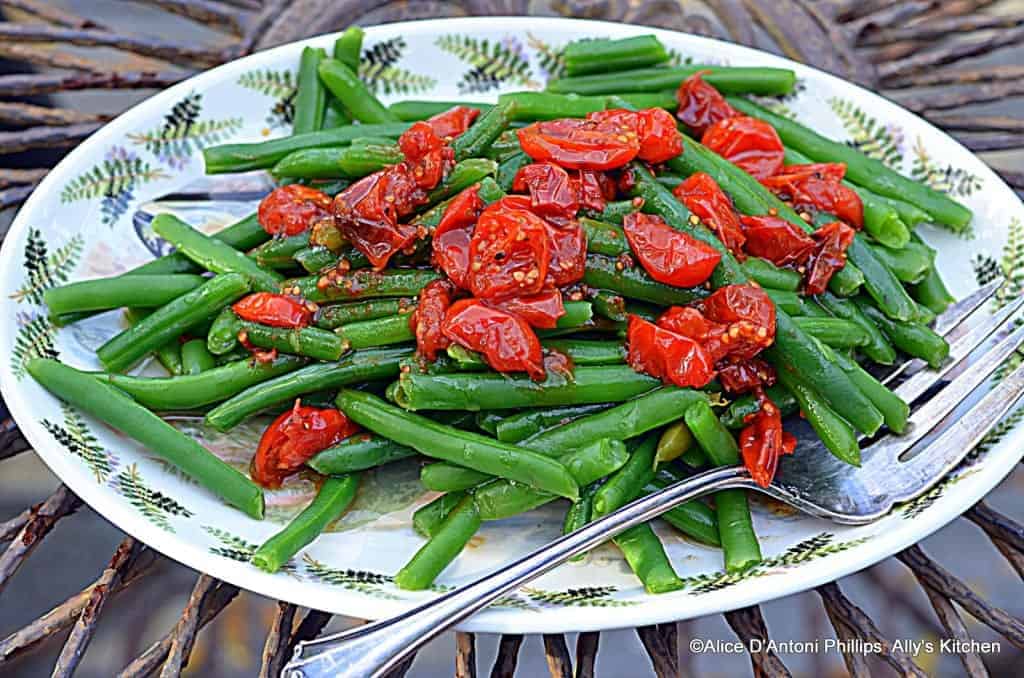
{"points": [[776, 240], [702, 195], [292, 209], [552, 192], [453, 122], [762, 442], [540, 310], [669, 256], [450, 243], [276, 310], [818, 187], [751, 144], [294, 438], [748, 315], [744, 376], [829, 255], [428, 318], [506, 341], [673, 358], [568, 247], [580, 144], [593, 189], [701, 105], [427, 157], [368, 211], [509, 252]]}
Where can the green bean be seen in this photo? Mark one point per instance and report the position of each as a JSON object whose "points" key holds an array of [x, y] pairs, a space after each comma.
{"points": [[349, 47], [585, 352], [931, 292], [609, 305], [633, 282], [488, 391], [445, 477], [352, 369], [488, 422], [860, 169], [646, 557], [279, 252], [359, 452], [310, 96], [517, 427], [767, 274], [834, 332], [606, 55], [171, 321], [265, 154], [835, 433], [509, 167], [878, 347], [461, 447], [318, 258], [732, 80], [213, 255], [363, 283], [451, 536], [674, 442], [119, 411], [377, 332], [625, 485], [911, 215], [474, 141], [461, 177], [334, 496], [346, 86], [195, 358], [665, 98], [335, 116], [880, 282], [414, 110], [925, 315], [892, 407], [580, 513], [912, 338], [334, 316], [223, 334], [736, 414], [910, 264], [428, 518], [614, 211], [351, 162], [311, 342], [549, 106], [789, 302], [739, 543], [605, 238], [694, 519], [167, 354], [103, 294]]}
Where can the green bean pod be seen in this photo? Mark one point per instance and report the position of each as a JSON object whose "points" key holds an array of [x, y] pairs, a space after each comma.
{"points": [[103, 294], [363, 284], [522, 425], [606, 55], [766, 274], [633, 282], [549, 106], [912, 338], [428, 518], [834, 332], [311, 342], [348, 48], [346, 86], [279, 252], [646, 557], [694, 518], [732, 80], [195, 358], [509, 167], [358, 452], [736, 414], [167, 354], [461, 177], [836, 434], [481, 134], [352, 162], [580, 513], [892, 407], [910, 264], [675, 441], [625, 485], [413, 110], [444, 545], [446, 477], [878, 347], [336, 315], [377, 332], [310, 95]]}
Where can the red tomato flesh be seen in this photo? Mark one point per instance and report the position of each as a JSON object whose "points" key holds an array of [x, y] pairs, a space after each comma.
{"points": [[540, 310], [751, 144], [701, 105], [762, 442], [672, 357], [669, 256], [818, 187], [829, 255], [292, 209], [776, 240], [702, 195], [453, 122], [276, 310], [294, 438], [506, 341], [509, 252], [450, 243], [428, 318]]}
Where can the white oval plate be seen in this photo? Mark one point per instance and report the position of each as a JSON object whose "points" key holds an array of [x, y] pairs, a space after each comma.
{"points": [[78, 225]]}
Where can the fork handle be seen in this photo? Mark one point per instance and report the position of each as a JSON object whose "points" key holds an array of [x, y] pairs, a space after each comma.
{"points": [[370, 650]]}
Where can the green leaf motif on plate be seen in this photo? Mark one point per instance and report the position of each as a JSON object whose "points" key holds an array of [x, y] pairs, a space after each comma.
{"points": [[955, 181], [494, 63], [184, 132], [115, 180], [282, 85], [550, 59], [379, 71], [867, 134], [44, 269], [74, 436], [369, 583], [587, 596], [237, 548], [156, 506], [35, 339]]}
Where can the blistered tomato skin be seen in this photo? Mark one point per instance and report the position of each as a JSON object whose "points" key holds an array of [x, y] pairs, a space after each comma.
{"points": [[669, 256], [427, 157], [276, 310], [776, 240], [292, 209], [568, 247], [751, 144], [572, 143], [704, 197], [659, 139], [671, 357], [506, 341], [818, 187], [293, 439], [593, 189], [508, 253], [367, 212], [428, 319], [748, 315], [540, 310], [832, 241], [450, 243], [453, 122], [701, 105], [552, 192], [763, 442], [744, 376]]}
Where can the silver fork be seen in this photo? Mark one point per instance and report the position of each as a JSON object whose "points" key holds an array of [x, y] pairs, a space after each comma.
{"points": [[811, 480]]}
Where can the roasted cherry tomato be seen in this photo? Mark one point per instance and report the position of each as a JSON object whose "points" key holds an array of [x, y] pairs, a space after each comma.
{"points": [[580, 144], [568, 247], [552, 193], [594, 189], [509, 252], [540, 310], [673, 358], [818, 187], [292, 209], [451, 237], [453, 122], [669, 256], [428, 318], [427, 157], [829, 255], [701, 105], [686, 321], [751, 144], [745, 376], [702, 195], [294, 438], [762, 442], [749, 318], [506, 341], [776, 240], [367, 212], [276, 310], [654, 127]]}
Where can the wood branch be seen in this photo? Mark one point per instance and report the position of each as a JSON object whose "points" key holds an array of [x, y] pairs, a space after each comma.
{"points": [[944, 99], [955, 628], [82, 632], [943, 77], [50, 58], [508, 656], [275, 649], [976, 123], [858, 69], [465, 655], [587, 644], [61, 503], [954, 8], [940, 28], [185, 631], [748, 623], [12, 442], [997, 525], [664, 658], [856, 661], [16, 114], [204, 12], [840, 607], [65, 614], [737, 21], [258, 27], [28, 85], [894, 14], [10, 528], [166, 51], [845, 10], [937, 578], [946, 54], [150, 660], [1014, 557], [46, 137], [1013, 178], [311, 626], [896, 592], [12, 197], [557, 654], [50, 14], [979, 143]]}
